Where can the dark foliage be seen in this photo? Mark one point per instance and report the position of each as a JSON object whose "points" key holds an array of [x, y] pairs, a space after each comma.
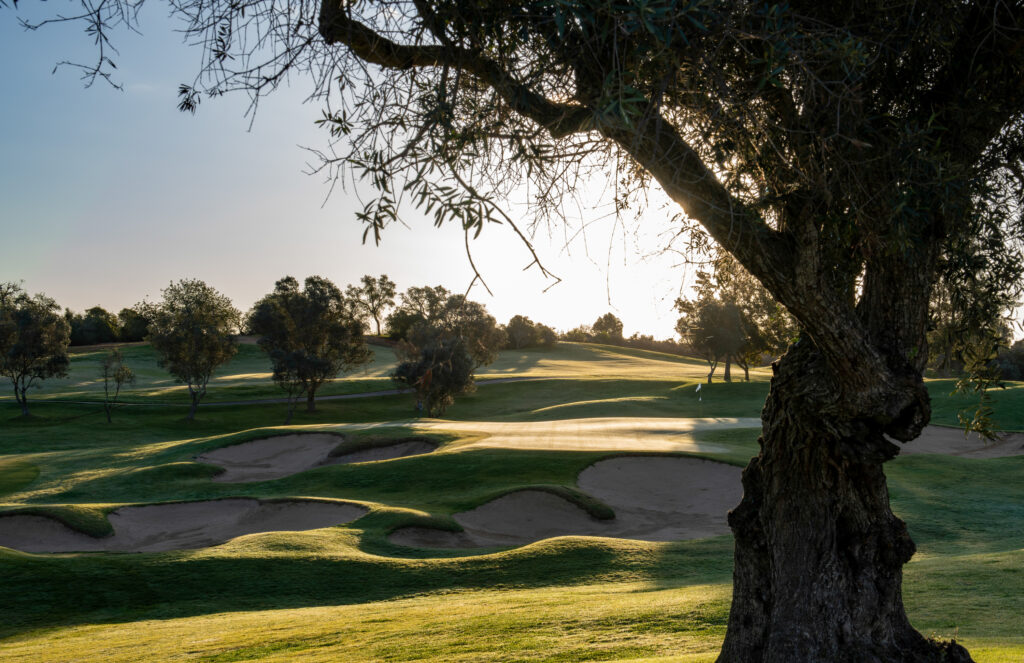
{"points": [[442, 371], [312, 335], [34, 338]]}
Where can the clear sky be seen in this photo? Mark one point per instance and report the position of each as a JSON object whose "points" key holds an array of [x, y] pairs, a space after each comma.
{"points": [[107, 196]]}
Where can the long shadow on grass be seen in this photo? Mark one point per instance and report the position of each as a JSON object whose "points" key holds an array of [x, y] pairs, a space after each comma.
{"points": [[42, 591]]}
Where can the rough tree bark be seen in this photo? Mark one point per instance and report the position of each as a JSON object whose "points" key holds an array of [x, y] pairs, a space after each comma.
{"points": [[819, 553]]}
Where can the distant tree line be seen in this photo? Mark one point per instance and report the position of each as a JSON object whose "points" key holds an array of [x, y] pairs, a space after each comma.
{"points": [[732, 320], [313, 334], [97, 325], [608, 329]]}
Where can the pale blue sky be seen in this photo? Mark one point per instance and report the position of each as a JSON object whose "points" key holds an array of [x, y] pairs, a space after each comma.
{"points": [[107, 196]]}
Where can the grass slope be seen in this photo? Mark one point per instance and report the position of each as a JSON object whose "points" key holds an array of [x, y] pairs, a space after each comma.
{"points": [[586, 378], [345, 593]]}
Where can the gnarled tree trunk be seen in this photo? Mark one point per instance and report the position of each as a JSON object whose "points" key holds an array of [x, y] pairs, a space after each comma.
{"points": [[819, 553]]}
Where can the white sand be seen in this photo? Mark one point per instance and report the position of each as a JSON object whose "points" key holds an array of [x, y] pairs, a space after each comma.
{"points": [[412, 447], [271, 458], [177, 526], [284, 455], [654, 499]]}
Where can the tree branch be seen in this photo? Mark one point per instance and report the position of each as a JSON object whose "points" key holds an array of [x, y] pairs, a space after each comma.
{"points": [[661, 150], [774, 257], [337, 27]]}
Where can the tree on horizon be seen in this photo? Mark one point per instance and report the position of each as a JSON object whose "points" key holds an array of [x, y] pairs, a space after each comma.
{"points": [[192, 330], [310, 334], [34, 339]]}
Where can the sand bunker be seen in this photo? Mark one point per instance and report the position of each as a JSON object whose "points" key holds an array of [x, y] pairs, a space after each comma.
{"points": [[953, 442], [654, 499], [177, 526], [413, 447], [284, 455]]}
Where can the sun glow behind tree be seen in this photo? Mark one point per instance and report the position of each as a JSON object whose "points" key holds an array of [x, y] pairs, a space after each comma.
{"points": [[210, 183]]}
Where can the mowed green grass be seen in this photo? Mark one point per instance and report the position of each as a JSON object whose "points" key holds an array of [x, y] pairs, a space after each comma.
{"points": [[248, 374], [654, 383], [345, 593]]}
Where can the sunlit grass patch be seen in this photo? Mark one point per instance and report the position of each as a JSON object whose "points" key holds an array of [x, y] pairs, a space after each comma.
{"points": [[600, 401], [586, 622], [623, 621]]}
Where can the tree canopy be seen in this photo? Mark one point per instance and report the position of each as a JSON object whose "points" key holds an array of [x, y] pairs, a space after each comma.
{"points": [[732, 317], [714, 329], [849, 155], [34, 339], [524, 333], [374, 296], [96, 325], [444, 339], [133, 324], [427, 311], [607, 329], [192, 330], [310, 334], [440, 370]]}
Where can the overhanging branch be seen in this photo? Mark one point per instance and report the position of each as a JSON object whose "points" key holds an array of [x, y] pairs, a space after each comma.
{"points": [[654, 143], [337, 27], [657, 146]]}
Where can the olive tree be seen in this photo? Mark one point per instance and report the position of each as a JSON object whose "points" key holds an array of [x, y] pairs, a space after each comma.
{"points": [[444, 339], [849, 155], [714, 329], [191, 328], [732, 316], [374, 296], [310, 334], [425, 312], [521, 332], [608, 329], [34, 338], [416, 305], [470, 322], [441, 370]]}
